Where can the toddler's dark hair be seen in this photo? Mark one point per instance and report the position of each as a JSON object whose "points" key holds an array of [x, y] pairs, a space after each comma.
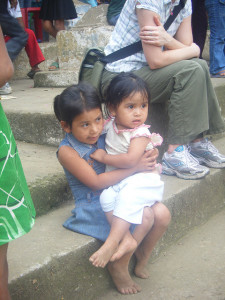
{"points": [[122, 86], [74, 100]]}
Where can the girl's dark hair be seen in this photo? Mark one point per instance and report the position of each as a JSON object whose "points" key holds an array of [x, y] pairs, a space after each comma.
{"points": [[74, 100], [122, 86]]}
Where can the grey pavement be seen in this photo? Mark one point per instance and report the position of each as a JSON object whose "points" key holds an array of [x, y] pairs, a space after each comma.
{"points": [[192, 268]]}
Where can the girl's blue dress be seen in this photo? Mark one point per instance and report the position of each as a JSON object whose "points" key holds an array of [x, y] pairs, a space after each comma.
{"points": [[87, 216]]}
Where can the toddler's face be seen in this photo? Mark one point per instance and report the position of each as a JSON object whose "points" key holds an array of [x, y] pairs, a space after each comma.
{"points": [[87, 127], [132, 111]]}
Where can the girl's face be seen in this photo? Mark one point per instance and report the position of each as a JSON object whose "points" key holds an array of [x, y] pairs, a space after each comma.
{"points": [[87, 127], [131, 112]]}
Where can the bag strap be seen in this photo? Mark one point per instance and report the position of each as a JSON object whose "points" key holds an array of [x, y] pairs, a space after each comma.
{"points": [[137, 46]]}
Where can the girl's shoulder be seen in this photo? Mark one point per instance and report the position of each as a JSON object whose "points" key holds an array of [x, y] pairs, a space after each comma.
{"points": [[72, 142], [142, 130], [81, 148]]}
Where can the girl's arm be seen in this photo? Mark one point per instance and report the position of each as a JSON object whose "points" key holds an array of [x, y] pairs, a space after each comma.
{"points": [[124, 160], [77, 166], [180, 47]]}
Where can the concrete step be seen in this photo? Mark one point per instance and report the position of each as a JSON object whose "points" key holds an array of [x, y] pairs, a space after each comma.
{"points": [[59, 78], [22, 66], [33, 106], [184, 270], [31, 113], [63, 48], [52, 263], [45, 176]]}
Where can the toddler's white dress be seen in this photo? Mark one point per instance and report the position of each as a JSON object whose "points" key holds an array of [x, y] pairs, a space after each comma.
{"points": [[128, 198]]}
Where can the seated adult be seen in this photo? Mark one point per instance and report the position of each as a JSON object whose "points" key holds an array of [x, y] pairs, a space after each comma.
{"points": [[169, 64]]}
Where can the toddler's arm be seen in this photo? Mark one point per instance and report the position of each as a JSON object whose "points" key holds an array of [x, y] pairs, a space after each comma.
{"points": [[79, 168], [124, 160]]}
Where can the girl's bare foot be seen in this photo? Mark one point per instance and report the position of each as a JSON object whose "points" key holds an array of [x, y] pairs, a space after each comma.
{"points": [[127, 245], [140, 269], [101, 257], [122, 280]]}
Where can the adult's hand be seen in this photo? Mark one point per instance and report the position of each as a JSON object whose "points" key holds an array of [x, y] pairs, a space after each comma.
{"points": [[196, 50], [155, 35], [148, 161]]}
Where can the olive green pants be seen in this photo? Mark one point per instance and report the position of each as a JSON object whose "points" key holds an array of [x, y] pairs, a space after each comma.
{"points": [[186, 86]]}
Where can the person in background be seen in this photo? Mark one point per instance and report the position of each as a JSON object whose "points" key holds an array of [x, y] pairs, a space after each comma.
{"points": [[199, 22], [114, 10], [17, 213], [12, 28], [53, 13], [32, 48], [216, 15], [175, 75]]}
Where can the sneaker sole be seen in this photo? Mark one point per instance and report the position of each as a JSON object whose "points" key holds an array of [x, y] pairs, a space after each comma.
{"points": [[211, 163], [171, 172]]}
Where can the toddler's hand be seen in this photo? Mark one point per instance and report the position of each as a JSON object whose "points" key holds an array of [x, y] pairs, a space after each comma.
{"points": [[99, 155]]}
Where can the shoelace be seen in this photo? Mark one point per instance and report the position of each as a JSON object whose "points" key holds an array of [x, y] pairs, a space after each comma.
{"points": [[208, 145], [191, 160]]}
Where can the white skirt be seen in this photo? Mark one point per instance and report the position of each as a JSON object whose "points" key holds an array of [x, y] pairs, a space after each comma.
{"points": [[128, 198]]}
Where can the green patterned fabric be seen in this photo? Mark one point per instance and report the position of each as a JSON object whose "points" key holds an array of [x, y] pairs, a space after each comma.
{"points": [[17, 213]]}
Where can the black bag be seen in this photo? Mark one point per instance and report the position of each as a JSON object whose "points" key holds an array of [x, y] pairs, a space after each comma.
{"points": [[94, 61]]}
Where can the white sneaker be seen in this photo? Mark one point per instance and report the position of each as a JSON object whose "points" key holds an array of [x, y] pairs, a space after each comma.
{"points": [[6, 89], [207, 154], [182, 164]]}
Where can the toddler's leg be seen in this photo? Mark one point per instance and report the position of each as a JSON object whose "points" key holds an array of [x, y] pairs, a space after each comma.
{"points": [[119, 231], [140, 231], [161, 221], [4, 292]]}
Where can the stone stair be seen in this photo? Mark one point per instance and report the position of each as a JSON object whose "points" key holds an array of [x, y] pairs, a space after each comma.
{"points": [[51, 262]]}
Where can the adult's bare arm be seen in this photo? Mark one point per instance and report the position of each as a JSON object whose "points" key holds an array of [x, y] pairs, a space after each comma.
{"points": [[156, 35], [6, 66], [177, 48]]}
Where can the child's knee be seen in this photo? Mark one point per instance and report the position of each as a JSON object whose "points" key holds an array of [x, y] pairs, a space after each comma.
{"points": [[162, 215], [148, 217]]}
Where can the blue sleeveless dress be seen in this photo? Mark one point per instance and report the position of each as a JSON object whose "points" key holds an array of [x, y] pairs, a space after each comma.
{"points": [[87, 216]]}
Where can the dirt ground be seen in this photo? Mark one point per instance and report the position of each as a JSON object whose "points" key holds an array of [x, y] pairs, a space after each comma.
{"points": [[193, 268]]}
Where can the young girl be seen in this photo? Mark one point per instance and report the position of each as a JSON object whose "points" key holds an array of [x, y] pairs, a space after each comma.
{"points": [[17, 213], [79, 111], [127, 139]]}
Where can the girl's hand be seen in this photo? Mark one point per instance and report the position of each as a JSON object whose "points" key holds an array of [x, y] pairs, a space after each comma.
{"points": [[155, 35], [148, 161], [99, 155]]}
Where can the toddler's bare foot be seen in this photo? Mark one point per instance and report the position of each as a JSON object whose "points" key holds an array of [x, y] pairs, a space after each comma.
{"points": [[127, 245], [101, 257], [122, 280], [140, 269]]}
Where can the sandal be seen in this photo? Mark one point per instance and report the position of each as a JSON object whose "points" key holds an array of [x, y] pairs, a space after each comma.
{"points": [[220, 74], [54, 66], [32, 73]]}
